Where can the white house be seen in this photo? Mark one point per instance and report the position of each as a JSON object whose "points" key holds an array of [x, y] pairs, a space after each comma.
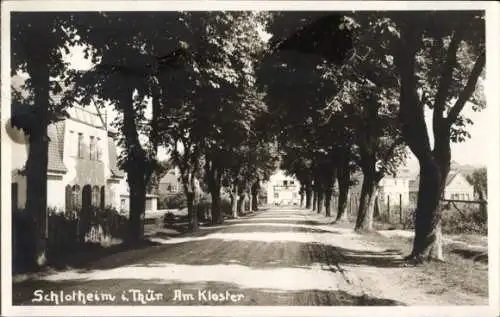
{"points": [[395, 188], [456, 187], [282, 189], [82, 165]]}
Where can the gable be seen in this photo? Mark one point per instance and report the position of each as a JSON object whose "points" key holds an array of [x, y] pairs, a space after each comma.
{"points": [[458, 181]]}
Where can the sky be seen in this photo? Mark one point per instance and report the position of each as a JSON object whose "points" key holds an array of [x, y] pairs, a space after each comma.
{"points": [[473, 151]]}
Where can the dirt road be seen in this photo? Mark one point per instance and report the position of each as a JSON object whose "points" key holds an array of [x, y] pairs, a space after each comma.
{"points": [[273, 257]]}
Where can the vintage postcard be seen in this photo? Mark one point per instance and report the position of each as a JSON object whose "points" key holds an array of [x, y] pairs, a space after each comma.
{"points": [[250, 158]]}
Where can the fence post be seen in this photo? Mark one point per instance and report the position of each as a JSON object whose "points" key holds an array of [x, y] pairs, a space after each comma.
{"points": [[400, 208], [388, 209]]}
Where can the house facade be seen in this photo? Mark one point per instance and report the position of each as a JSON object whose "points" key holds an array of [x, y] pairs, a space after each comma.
{"points": [[394, 189], [170, 183], [82, 163], [456, 187], [282, 189]]}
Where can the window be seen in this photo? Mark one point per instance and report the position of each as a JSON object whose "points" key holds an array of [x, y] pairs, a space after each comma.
{"points": [[291, 182], [99, 149], [149, 204], [76, 197], [122, 204], [95, 196], [92, 155], [276, 195], [285, 183], [169, 188], [80, 145], [102, 203]]}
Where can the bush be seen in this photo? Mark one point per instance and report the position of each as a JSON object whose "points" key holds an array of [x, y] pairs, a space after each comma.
{"points": [[456, 218], [67, 231], [175, 201]]}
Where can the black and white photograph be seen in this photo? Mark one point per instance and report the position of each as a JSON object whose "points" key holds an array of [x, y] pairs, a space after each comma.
{"points": [[300, 158]]}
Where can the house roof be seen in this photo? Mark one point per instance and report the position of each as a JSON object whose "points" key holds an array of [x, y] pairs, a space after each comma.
{"points": [[55, 133], [171, 176], [113, 159], [451, 176], [86, 116]]}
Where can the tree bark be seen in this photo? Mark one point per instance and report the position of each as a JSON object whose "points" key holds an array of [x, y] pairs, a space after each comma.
{"points": [[255, 196], [192, 213], [135, 167], [241, 204], [302, 197], [214, 184], [328, 200], [315, 200], [250, 199], [321, 200], [137, 205], [343, 179], [308, 195], [234, 201], [36, 171], [427, 243], [364, 220]]}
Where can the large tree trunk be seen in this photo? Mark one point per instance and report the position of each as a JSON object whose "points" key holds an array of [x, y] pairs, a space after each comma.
{"points": [[214, 184], [427, 243], [308, 195], [255, 196], [215, 206], [39, 50], [135, 167], [328, 200], [36, 173], [343, 179], [321, 200], [137, 205], [250, 202], [234, 202], [192, 213], [315, 200], [364, 220], [302, 194], [330, 176], [241, 204]]}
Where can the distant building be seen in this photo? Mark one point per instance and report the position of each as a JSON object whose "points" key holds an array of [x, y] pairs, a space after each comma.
{"points": [[282, 189], [456, 188], [170, 183], [395, 188]]}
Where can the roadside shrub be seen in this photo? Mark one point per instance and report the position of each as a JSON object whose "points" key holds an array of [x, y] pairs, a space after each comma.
{"points": [[463, 218], [175, 201], [456, 218]]}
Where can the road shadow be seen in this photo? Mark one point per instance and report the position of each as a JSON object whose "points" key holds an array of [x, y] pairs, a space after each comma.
{"points": [[470, 254]]}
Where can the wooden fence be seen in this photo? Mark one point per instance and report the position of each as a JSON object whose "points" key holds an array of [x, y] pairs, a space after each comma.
{"points": [[396, 210]]}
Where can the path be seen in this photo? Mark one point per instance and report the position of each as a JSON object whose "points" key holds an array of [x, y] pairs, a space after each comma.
{"points": [[275, 257]]}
